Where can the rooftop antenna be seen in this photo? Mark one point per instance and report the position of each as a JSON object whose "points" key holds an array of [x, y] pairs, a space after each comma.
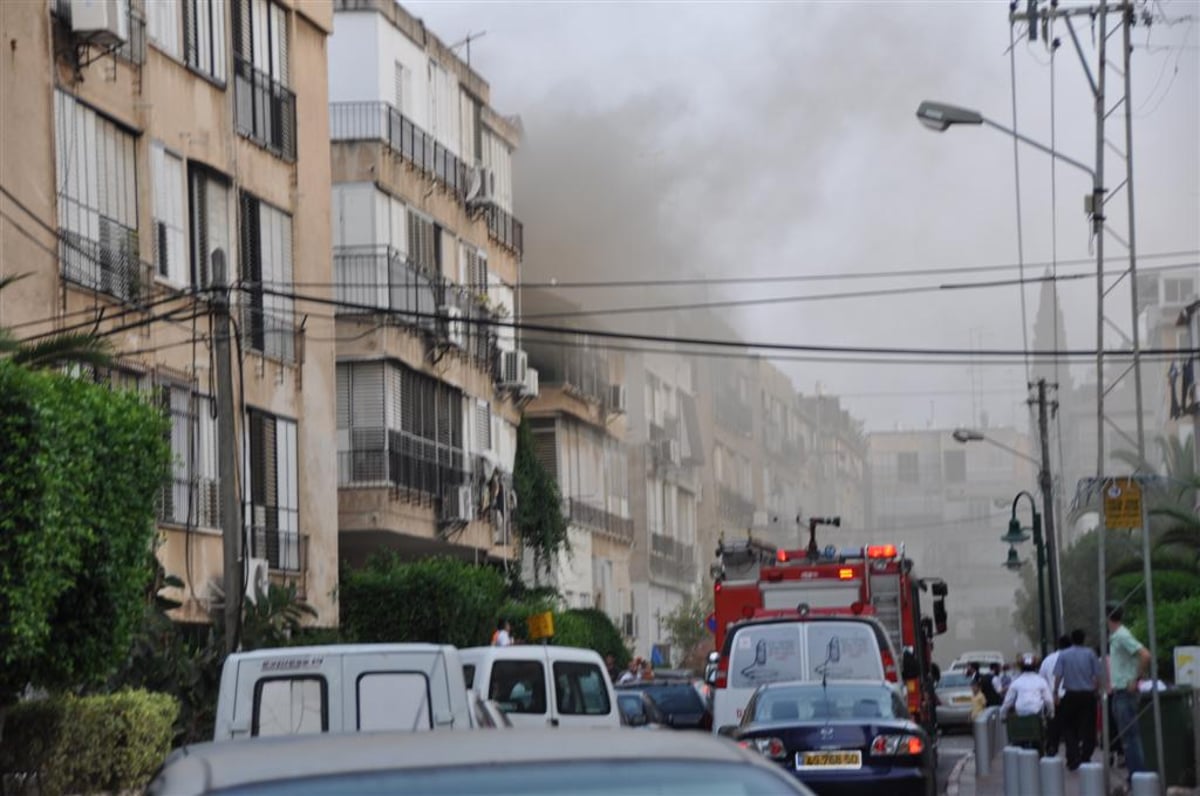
{"points": [[467, 42]]}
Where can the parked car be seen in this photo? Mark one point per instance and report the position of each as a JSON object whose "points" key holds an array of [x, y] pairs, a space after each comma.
{"points": [[539, 685], [839, 736], [954, 701], [543, 762], [636, 710], [677, 705], [341, 688]]}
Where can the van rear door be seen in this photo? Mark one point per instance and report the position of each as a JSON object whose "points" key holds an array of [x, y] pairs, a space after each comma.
{"points": [[282, 696], [395, 691]]}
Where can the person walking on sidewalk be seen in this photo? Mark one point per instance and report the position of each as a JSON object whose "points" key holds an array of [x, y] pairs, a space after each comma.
{"points": [[1054, 726], [1028, 695], [1077, 678], [1128, 662]]}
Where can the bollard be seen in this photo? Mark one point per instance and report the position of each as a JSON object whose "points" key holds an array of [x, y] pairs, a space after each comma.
{"points": [[1012, 771], [1091, 779], [1145, 783], [983, 746], [1052, 772], [1001, 729], [1027, 772]]}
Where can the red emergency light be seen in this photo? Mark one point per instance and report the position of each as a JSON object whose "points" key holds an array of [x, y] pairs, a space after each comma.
{"points": [[881, 551], [781, 556], [845, 573]]}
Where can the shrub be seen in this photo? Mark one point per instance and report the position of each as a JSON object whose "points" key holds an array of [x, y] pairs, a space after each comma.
{"points": [[438, 600], [1176, 624], [591, 628], [89, 744]]}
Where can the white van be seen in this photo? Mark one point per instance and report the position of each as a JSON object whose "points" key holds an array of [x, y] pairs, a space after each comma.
{"points": [[541, 685], [341, 688], [776, 650]]}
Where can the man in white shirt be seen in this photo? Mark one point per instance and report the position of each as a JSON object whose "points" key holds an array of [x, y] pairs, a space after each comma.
{"points": [[1029, 694], [503, 635], [1053, 728]]}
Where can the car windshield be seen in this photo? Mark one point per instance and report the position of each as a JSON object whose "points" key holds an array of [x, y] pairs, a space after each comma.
{"points": [[954, 680], [804, 703], [629, 778], [676, 699]]}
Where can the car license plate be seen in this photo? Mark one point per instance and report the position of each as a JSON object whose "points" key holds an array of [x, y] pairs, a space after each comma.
{"points": [[961, 700], [829, 759]]}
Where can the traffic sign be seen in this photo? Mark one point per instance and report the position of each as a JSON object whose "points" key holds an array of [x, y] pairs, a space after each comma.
{"points": [[1122, 504]]}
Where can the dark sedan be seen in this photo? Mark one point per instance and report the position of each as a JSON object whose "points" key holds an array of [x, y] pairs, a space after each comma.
{"points": [[676, 705], [844, 737]]}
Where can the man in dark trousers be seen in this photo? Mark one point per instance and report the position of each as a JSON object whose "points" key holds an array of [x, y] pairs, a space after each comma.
{"points": [[1077, 678], [1053, 727], [988, 679]]}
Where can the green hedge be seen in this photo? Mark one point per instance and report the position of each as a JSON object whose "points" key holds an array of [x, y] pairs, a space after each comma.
{"points": [[89, 744]]}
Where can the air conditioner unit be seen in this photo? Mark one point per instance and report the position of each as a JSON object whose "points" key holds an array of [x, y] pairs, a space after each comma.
{"points": [[101, 22], [617, 398], [514, 366], [258, 580], [668, 451], [482, 187], [458, 504], [456, 329], [530, 388]]}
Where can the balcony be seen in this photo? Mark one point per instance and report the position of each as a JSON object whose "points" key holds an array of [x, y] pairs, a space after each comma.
{"points": [[672, 559], [272, 334], [111, 266], [266, 110], [380, 278], [734, 507], [619, 528], [505, 229], [384, 457]]}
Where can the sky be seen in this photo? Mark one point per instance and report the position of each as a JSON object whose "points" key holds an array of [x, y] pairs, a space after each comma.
{"points": [[676, 140]]}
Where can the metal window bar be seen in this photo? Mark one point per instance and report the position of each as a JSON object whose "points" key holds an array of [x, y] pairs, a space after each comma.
{"points": [[284, 551], [266, 109], [274, 335], [110, 265]]}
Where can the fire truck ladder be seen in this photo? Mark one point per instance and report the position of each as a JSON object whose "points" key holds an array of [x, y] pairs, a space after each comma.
{"points": [[885, 597]]}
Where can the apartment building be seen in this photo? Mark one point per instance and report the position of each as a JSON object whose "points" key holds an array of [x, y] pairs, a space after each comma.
{"points": [[948, 504], [837, 469], [666, 460], [426, 259], [788, 485], [150, 153], [578, 423]]}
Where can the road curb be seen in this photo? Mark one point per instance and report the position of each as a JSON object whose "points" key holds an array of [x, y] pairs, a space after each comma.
{"points": [[956, 774]]}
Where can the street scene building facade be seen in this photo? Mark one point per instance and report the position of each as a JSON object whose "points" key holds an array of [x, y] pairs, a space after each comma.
{"points": [[151, 158]]}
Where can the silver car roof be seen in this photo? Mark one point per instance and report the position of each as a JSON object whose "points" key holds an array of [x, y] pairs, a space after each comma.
{"points": [[221, 764]]}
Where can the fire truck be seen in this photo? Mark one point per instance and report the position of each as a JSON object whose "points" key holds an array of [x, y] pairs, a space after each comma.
{"points": [[753, 580]]}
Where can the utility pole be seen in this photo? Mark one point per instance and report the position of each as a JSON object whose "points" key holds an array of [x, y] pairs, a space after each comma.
{"points": [[1046, 484], [231, 520]]}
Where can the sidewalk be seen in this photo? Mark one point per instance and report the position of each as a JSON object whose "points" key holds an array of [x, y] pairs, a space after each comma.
{"points": [[964, 781]]}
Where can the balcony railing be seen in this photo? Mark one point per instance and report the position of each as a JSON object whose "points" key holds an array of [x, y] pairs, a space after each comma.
{"points": [[201, 508], [380, 277], [672, 559], [734, 506], [390, 458], [505, 229], [379, 121], [271, 334], [111, 266], [285, 551], [266, 109], [580, 513]]}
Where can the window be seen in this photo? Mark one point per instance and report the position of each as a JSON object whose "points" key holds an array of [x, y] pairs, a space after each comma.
{"points": [[954, 463], [170, 238], [265, 245], [469, 674], [97, 200], [272, 511], [908, 468], [211, 219], [394, 701], [424, 243], [401, 87], [290, 706], [519, 686], [1178, 291], [162, 23], [204, 37], [483, 426], [266, 109], [580, 689], [193, 496]]}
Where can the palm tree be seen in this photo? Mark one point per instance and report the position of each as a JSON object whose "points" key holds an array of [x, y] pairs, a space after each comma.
{"points": [[57, 349]]}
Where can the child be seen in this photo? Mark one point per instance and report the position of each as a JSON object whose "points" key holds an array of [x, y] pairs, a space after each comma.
{"points": [[978, 701]]}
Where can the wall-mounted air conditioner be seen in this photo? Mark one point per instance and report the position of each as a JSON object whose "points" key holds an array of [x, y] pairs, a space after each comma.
{"points": [[514, 366], [458, 504], [258, 579], [456, 328], [617, 398], [101, 22], [481, 190], [530, 388]]}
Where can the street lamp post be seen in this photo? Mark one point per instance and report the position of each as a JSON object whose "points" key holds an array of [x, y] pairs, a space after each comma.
{"points": [[1016, 535]]}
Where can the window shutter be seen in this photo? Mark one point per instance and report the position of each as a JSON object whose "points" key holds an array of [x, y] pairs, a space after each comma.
{"points": [[545, 450], [366, 395], [242, 29], [190, 53], [483, 426], [398, 86], [344, 372]]}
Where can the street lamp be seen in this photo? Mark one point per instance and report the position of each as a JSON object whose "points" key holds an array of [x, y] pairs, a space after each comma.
{"points": [[965, 435], [1016, 535]]}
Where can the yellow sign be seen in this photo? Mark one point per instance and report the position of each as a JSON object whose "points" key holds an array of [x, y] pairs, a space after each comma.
{"points": [[1122, 504], [540, 626]]}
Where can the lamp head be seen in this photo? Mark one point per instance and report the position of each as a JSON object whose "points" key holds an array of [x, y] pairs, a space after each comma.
{"points": [[938, 116], [966, 435], [1015, 534], [1013, 563]]}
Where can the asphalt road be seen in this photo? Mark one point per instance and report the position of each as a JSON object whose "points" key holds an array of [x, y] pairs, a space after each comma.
{"points": [[951, 749]]}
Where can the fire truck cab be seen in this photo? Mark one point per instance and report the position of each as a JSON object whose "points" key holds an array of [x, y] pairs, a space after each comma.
{"points": [[754, 581]]}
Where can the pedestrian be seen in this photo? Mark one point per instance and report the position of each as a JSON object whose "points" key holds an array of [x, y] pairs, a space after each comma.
{"points": [[503, 635], [1028, 695], [1077, 677], [632, 674], [1129, 662], [647, 671], [978, 703], [1054, 726], [987, 684]]}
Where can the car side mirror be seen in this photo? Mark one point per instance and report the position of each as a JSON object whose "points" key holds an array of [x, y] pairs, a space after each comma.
{"points": [[727, 731]]}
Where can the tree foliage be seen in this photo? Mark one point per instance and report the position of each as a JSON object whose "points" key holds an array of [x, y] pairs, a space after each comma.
{"points": [[539, 519], [685, 624], [81, 469]]}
